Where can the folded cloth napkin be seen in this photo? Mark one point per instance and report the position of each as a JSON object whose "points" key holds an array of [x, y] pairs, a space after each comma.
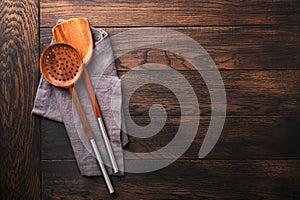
{"points": [[56, 104]]}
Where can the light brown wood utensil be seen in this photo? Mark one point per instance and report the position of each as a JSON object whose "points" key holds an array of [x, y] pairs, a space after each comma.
{"points": [[77, 33], [61, 65]]}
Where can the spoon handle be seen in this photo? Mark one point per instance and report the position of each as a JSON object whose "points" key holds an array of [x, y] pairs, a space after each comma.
{"points": [[91, 92], [81, 113], [98, 114], [90, 136]]}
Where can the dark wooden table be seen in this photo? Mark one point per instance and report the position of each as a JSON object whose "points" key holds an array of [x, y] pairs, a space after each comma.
{"points": [[256, 46]]}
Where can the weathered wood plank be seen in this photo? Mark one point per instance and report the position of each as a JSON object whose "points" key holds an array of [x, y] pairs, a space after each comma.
{"points": [[19, 130], [182, 180], [172, 13], [254, 93], [54, 134], [230, 48], [241, 138]]}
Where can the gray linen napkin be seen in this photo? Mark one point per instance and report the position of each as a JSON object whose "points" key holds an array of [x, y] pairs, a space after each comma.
{"points": [[56, 104]]}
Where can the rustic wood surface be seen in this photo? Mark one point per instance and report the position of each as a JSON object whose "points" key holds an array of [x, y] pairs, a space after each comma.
{"points": [[242, 138], [173, 13], [214, 179], [19, 75], [255, 44], [231, 47]]}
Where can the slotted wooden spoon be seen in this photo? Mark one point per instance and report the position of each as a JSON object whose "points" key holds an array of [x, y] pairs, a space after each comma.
{"points": [[77, 33], [61, 65]]}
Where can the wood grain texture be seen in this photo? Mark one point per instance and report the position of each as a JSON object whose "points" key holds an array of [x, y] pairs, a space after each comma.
{"points": [[19, 130], [242, 138], [55, 136], [230, 47], [77, 33], [172, 13], [274, 92], [220, 179], [254, 43]]}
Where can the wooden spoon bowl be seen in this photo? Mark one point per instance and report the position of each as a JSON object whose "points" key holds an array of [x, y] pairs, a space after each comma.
{"points": [[61, 65]]}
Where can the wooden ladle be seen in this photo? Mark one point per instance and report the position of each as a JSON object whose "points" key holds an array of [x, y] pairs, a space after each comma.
{"points": [[61, 65], [77, 33]]}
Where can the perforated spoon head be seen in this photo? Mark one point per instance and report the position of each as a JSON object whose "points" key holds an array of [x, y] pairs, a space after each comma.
{"points": [[61, 65]]}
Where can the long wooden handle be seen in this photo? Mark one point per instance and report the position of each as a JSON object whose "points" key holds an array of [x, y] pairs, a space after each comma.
{"points": [[98, 114], [90, 136], [81, 113], [91, 92]]}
